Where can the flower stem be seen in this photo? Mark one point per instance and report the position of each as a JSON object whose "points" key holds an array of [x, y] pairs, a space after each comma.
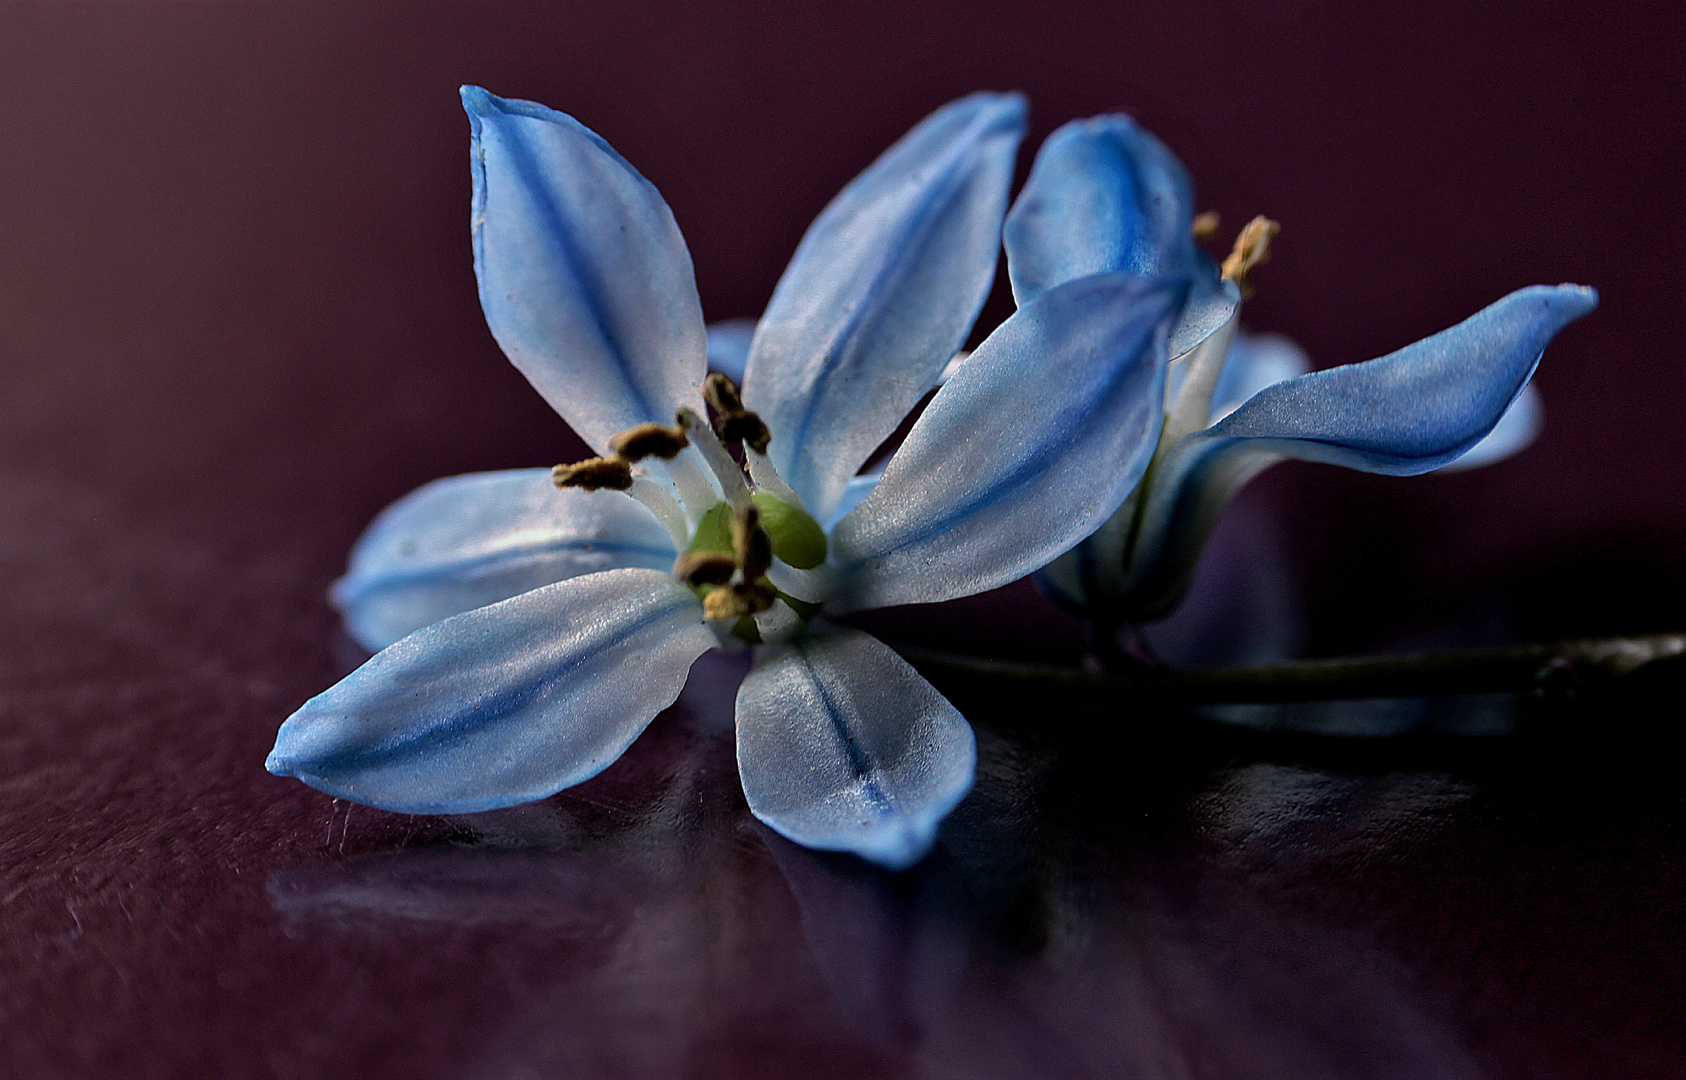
{"points": [[1564, 668]]}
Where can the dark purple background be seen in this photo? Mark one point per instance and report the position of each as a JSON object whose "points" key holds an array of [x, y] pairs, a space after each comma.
{"points": [[237, 316]]}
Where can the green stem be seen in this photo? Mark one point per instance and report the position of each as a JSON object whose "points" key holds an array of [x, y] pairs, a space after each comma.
{"points": [[1599, 663]]}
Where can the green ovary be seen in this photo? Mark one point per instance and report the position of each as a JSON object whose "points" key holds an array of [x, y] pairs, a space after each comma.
{"points": [[797, 538]]}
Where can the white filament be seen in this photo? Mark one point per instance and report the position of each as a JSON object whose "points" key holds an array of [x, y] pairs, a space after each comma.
{"points": [[661, 503], [768, 479]]}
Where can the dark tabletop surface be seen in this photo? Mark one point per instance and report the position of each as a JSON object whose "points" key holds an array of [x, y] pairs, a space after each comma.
{"points": [[238, 316]]}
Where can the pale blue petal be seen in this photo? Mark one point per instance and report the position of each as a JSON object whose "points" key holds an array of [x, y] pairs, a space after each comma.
{"points": [[1515, 431], [1254, 362], [728, 347], [1420, 407], [881, 293], [859, 488], [1104, 196], [1401, 414], [1029, 447], [843, 746], [504, 704], [584, 278], [468, 541]]}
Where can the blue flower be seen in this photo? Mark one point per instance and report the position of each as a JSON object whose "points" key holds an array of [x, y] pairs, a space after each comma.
{"points": [[529, 635], [1103, 196]]}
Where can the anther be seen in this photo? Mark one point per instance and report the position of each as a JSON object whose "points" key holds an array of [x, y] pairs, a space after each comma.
{"points": [[614, 473], [704, 568], [1205, 225], [649, 440], [751, 544], [1252, 247], [733, 422], [721, 394], [736, 601]]}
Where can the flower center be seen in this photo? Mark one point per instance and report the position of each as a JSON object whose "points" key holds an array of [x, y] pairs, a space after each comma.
{"points": [[752, 553]]}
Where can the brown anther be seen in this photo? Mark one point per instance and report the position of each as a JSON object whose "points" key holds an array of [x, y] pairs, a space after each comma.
{"points": [[1252, 247], [736, 601], [722, 394], [704, 568], [733, 422], [614, 473], [649, 440], [748, 428], [750, 543], [1205, 225]]}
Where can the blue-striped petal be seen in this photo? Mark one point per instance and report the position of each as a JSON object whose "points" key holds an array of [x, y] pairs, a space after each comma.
{"points": [[1104, 195], [881, 293], [1405, 413], [1516, 430], [728, 347], [1254, 362], [1092, 571], [1030, 446], [467, 541], [859, 488], [504, 704], [843, 746], [584, 278]]}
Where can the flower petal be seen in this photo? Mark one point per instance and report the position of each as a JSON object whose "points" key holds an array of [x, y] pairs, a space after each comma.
{"points": [[504, 704], [1516, 430], [1105, 196], [1255, 361], [467, 541], [1030, 446], [728, 347], [859, 487], [584, 278], [1405, 413], [843, 746], [881, 293]]}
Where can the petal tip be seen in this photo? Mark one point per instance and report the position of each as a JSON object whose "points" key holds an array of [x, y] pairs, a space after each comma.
{"points": [[477, 101], [903, 848], [1012, 106], [994, 108], [1581, 298], [481, 104]]}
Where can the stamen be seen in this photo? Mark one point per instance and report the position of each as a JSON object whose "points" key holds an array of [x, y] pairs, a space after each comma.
{"points": [[816, 586], [768, 479], [591, 474], [661, 502], [1252, 247], [704, 568], [734, 423], [1205, 225], [697, 489], [750, 542], [778, 624], [737, 600], [722, 394], [649, 440], [1193, 408], [725, 469]]}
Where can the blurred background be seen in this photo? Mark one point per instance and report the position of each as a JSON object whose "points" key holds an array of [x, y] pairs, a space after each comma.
{"points": [[238, 316]]}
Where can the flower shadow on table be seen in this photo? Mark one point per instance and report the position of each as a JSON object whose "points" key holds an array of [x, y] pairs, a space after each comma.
{"points": [[1074, 921]]}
